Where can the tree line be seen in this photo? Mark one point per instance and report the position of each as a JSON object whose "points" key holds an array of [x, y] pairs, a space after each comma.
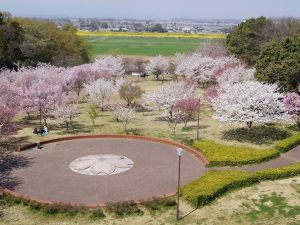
{"points": [[272, 46], [27, 42]]}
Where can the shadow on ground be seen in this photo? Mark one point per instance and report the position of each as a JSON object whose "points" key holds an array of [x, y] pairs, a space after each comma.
{"points": [[256, 135], [9, 162]]}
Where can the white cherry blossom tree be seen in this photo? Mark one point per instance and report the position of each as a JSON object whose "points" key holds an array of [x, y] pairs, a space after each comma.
{"points": [[100, 92], [157, 66], [249, 102]]}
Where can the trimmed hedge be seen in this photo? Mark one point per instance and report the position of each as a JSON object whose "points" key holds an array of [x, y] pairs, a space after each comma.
{"points": [[215, 183], [225, 155], [288, 143]]}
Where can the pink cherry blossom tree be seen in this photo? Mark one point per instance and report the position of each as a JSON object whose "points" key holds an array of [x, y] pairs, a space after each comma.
{"points": [[187, 108], [292, 105], [76, 77], [9, 102]]}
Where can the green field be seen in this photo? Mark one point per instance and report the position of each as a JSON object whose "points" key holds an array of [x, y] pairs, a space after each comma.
{"points": [[143, 46]]}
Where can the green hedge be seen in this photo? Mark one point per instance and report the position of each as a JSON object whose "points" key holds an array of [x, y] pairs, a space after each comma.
{"points": [[215, 183], [288, 143], [225, 155]]}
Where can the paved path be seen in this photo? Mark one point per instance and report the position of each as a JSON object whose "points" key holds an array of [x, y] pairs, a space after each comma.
{"points": [[288, 158]]}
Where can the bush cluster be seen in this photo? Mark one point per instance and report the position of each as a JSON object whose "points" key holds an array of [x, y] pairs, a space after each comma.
{"points": [[215, 183], [157, 204], [225, 155], [51, 209], [288, 143], [121, 209]]}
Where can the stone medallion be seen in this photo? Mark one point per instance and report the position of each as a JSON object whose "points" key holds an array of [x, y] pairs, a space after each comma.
{"points": [[101, 165]]}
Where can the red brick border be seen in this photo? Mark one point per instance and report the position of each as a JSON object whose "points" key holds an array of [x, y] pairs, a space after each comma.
{"points": [[14, 194], [196, 153]]}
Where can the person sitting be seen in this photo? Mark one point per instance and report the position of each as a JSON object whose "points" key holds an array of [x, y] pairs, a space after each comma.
{"points": [[35, 131], [46, 130], [42, 131]]}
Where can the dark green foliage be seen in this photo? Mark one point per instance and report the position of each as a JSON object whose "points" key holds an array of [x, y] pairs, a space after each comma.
{"points": [[96, 214], [12, 37], [246, 40], [157, 28], [26, 42], [44, 42], [121, 209], [280, 63], [229, 155], [157, 204], [256, 135], [216, 183]]}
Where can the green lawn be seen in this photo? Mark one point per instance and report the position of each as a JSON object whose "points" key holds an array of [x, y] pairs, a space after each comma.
{"points": [[146, 46]]}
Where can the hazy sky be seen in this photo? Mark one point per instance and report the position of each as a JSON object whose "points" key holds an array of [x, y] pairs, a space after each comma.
{"points": [[144, 9]]}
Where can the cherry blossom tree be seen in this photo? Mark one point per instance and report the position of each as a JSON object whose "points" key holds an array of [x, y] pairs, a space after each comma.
{"points": [[201, 68], [9, 102], [187, 108], [76, 77], [66, 113], [123, 115], [157, 65], [166, 97], [249, 102], [226, 77], [45, 97], [100, 91], [292, 104], [110, 64], [130, 93]]}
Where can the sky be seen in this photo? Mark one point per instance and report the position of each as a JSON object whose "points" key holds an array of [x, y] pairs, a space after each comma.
{"points": [[153, 9]]}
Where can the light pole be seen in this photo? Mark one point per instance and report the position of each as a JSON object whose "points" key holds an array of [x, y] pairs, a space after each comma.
{"points": [[179, 153]]}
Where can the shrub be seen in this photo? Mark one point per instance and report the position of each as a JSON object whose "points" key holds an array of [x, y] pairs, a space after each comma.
{"points": [[121, 209], [215, 183], [288, 143], [157, 204], [225, 155], [96, 214]]}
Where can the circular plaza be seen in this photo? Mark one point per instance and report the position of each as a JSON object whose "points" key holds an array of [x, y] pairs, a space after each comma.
{"points": [[98, 170]]}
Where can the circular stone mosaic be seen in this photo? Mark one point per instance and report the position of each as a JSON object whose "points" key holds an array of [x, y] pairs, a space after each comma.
{"points": [[101, 165]]}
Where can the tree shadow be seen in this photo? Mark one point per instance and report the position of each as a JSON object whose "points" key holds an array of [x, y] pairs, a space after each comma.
{"points": [[8, 163], [135, 131], [256, 135], [74, 128], [11, 143]]}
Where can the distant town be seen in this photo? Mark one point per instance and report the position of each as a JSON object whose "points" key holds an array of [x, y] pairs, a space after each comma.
{"points": [[132, 25]]}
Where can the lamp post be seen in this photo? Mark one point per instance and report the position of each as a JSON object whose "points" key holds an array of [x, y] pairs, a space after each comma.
{"points": [[179, 153]]}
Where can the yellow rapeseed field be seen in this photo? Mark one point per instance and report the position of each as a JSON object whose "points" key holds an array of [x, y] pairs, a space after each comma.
{"points": [[148, 34]]}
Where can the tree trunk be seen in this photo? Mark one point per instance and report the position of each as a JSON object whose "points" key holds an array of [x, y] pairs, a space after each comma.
{"points": [[198, 126], [40, 117], [45, 122], [249, 124], [67, 125]]}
